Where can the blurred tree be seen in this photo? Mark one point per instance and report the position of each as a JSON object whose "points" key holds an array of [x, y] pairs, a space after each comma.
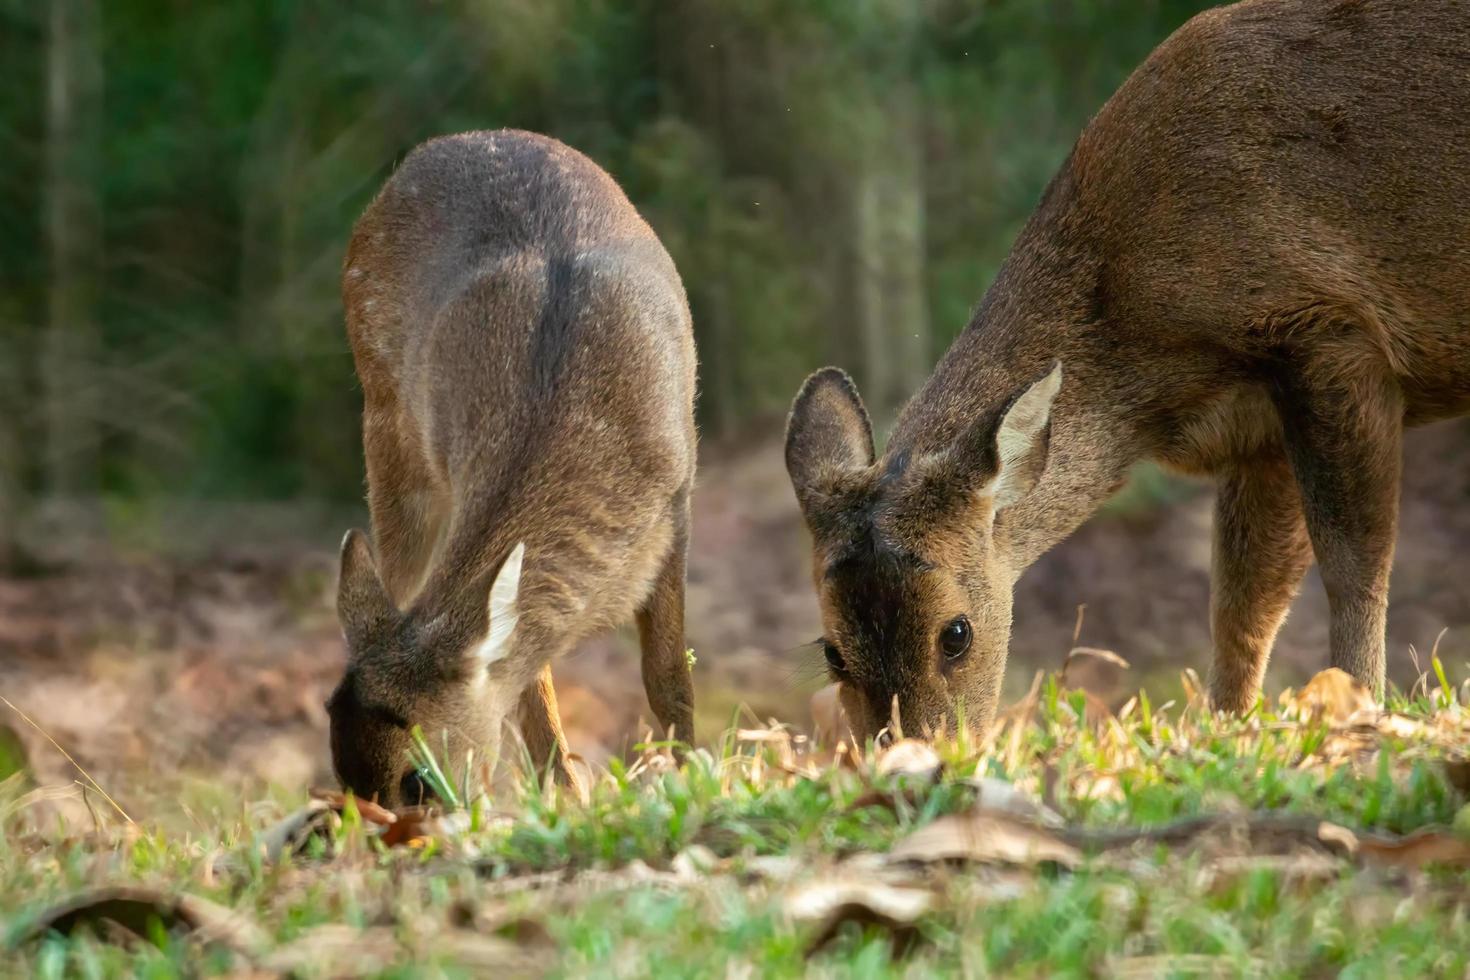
{"points": [[837, 181], [74, 239]]}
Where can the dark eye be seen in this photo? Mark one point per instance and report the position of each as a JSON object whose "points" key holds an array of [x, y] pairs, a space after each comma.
{"points": [[834, 658], [411, 789], [954, 639]]}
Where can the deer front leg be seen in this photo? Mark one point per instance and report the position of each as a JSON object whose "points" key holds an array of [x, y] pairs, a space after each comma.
{"points": [[1261, 550]]}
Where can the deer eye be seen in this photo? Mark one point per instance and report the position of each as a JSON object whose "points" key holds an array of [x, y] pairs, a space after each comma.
{"points": [[834, 657], [955, 638]]}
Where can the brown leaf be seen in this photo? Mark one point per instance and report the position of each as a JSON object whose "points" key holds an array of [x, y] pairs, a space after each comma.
{"points": [[1333, 695], [505, 954], [337, 951], [369, 810], [867, 903], [1171, 965], [997, 796], [126, 911], [910, 757], [290, 834], [1428, 845], [987, 838], [1304, 868]]}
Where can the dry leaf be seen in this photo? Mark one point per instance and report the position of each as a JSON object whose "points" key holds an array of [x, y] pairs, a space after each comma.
{"points": [[1293, 870], [890, 801], [910, 757], [998, 796], [1333, 695], [867, 903], [416, 825], [1172, 965], [369, 810], [694, 861], [1428, 845], [986, 838], [127, 910], [506, 954], [336, 951]]}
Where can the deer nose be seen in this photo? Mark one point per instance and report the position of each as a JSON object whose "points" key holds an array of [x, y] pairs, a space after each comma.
{"points": [[884, 739]]}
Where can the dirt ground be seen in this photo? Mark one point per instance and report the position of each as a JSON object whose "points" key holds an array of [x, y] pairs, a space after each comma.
{"points": [[216, 661]]}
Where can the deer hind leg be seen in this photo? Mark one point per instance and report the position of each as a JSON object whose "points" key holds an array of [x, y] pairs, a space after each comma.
{"points": [[541, 728], [407, 505], [661, 635], [1344, 431], [1261, 550]]}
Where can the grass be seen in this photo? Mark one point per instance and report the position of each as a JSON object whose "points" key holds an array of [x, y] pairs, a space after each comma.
{"points": [[690, 870]]}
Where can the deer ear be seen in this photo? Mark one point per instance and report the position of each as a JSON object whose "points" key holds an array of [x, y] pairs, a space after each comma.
{"points": [[1021, 440], [504, 612], [828, 432], [363, 606]]}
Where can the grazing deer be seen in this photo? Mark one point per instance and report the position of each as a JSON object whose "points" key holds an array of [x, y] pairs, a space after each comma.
{"points": [[1255, 265], [527, 365]]}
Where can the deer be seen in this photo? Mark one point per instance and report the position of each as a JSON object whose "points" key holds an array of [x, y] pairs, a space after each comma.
{"points": [[527, 363], [1253, 266]]}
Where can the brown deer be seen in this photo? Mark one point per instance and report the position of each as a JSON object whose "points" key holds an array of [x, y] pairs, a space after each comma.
{"points": [[527, 364], [1254, 265]]}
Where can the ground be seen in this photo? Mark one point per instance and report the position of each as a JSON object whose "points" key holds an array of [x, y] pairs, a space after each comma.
{"points": [[1318, 836]]}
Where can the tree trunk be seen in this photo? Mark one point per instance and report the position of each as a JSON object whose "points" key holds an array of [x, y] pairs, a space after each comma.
{"points": [[890, 308], [10, 486], [70, 355]]}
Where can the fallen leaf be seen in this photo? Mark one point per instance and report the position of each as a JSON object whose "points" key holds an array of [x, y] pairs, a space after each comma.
{"points": [[416, 825], [128, 910], [890, 801], [336, 951], [999, 796], [1339, 836], [290, 834], [694, 861], [1173, 965], [1428, 845], [1333, 695], [1292, 870], [985, 838], [772, 867], [867, 903], [503, 954], [370, 811], [910, 757]]}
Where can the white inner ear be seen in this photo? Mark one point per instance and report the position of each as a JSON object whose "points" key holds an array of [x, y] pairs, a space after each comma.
{"points": [[503, 612], [1020, 436]]}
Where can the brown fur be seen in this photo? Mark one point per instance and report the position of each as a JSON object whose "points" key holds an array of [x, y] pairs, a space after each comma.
{"points": [[527, 365], [1255, 265]]}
